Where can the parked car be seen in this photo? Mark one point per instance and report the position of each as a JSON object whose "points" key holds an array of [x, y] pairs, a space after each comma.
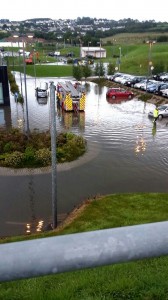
{"points": [[119, 92], [41, 93], [134, 80], [42, 90], [161, 87], [163, 112], [165, 93]]}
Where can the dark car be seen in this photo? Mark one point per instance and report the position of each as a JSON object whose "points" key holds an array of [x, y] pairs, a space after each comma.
{"points": [[119, 92], [134, 80]]}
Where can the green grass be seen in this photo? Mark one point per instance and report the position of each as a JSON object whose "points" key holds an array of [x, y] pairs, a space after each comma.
{"points": [[134, 60], [47, 71], [145, 279]]}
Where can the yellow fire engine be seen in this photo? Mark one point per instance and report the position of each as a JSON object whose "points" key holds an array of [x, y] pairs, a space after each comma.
{"points": [[71, 97]]}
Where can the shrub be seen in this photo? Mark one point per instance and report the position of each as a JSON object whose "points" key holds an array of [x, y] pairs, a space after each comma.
{"points": [[29, 154], [8, 147], [14, 159], [43, 156]]}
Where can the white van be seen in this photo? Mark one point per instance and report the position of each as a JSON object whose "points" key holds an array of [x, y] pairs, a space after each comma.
{"points": [[42, 90]]}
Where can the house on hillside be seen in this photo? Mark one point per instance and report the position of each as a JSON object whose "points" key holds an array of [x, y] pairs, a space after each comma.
{"points": [[97, 52]]}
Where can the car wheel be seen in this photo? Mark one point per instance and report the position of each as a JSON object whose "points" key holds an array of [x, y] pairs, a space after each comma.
{"points": [[113, 97], [129, 97], [160, 117]]}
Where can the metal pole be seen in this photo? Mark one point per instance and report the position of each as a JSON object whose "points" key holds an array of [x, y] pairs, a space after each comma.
{"points": [[53, 154], [77, 251], [120, 59], [24, 68], [20, 76]]}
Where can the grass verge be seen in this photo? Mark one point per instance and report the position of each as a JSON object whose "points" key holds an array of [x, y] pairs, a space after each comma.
{"points": [[145, 279]]}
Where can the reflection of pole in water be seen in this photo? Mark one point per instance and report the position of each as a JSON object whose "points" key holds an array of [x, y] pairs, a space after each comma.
{"points": [[32, 203], [140, 146], [154, 129], [34, 225], [20, 77]]}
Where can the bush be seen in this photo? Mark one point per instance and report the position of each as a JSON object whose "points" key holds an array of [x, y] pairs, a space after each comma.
{"points": [[16, 150], [43, 157], [14, 159]]}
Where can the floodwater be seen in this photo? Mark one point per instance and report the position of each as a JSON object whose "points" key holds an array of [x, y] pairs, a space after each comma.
{"points": [[126, 153]]}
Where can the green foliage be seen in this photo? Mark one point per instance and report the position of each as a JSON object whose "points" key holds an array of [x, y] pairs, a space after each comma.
{"points": [[77, 72], [43, 156], [99, 69], [29, 153], [86, 71], [18, 151], [13, 160], [110, 69], [8, 147]]}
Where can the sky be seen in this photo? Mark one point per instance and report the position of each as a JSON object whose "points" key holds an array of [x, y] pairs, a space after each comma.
{"points": [[19, 10]]}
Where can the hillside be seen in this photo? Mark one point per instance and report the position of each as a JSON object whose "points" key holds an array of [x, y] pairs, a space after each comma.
{"points": [[134, 38]]}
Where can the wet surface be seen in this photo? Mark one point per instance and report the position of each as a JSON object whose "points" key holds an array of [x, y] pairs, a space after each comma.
{"points": [[126, 153]]}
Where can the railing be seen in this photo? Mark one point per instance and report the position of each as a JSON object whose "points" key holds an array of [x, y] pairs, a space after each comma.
{"points": [[82, 250]]}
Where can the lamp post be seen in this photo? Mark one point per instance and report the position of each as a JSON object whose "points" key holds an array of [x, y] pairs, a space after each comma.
{"points": [[150, 56], [119, 58], [25, 85], [88, 47], [80, 45], [100, 57], [53, 154]]}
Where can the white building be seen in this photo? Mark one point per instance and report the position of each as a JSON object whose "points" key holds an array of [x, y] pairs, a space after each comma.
{"points": [[97, 52]]}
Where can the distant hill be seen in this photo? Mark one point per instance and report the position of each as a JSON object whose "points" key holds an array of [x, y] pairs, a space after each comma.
{"points": [[134, 38], [38, 19]]}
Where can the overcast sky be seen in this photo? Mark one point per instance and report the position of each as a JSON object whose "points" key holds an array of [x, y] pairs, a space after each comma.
{"points": [[18, 10]]}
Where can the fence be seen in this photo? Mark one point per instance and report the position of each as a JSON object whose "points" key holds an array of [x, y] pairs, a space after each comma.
{"points": [[82, 250]]}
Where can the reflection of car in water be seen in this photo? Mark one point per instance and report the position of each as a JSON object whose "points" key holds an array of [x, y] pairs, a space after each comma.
{"points": [[119, 92], [42, 101], [116, 100], [163, 112], [71, 119]]}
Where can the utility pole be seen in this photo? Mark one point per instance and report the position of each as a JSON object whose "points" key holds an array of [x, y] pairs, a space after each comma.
{"points": [[53, 154]]}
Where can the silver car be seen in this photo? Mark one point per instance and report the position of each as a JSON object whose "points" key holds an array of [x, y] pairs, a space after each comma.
{"points": [[163, 111]]}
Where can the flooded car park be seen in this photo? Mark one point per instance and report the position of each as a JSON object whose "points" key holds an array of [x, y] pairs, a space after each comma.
{"points": [[126, 153]]}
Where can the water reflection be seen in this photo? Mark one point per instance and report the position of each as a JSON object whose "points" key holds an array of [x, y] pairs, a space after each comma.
{"points": [[69, 120], [5, 117]]}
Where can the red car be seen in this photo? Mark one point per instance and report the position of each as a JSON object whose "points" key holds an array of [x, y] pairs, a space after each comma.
{"points": [[119, 92]]}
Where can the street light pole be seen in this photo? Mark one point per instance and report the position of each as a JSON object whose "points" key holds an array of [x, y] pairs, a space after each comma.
{"points": [[25, 83], [88, 46], [53, 154], [150, 56], [120, 58]]}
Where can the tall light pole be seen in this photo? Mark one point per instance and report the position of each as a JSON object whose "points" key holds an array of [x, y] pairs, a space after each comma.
{"points": [[119, 58], [53, 154], [88, 47], [100, 57], [25, 85], [150, 56], [80, 48]]}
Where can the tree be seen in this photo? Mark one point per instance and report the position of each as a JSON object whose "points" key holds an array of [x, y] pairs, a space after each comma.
{"points": [[77, 72], [110, 69], [99, 69], [86, 70]]}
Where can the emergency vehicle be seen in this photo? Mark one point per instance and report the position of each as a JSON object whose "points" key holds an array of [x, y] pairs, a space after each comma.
{"points": [[71, 97]]}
